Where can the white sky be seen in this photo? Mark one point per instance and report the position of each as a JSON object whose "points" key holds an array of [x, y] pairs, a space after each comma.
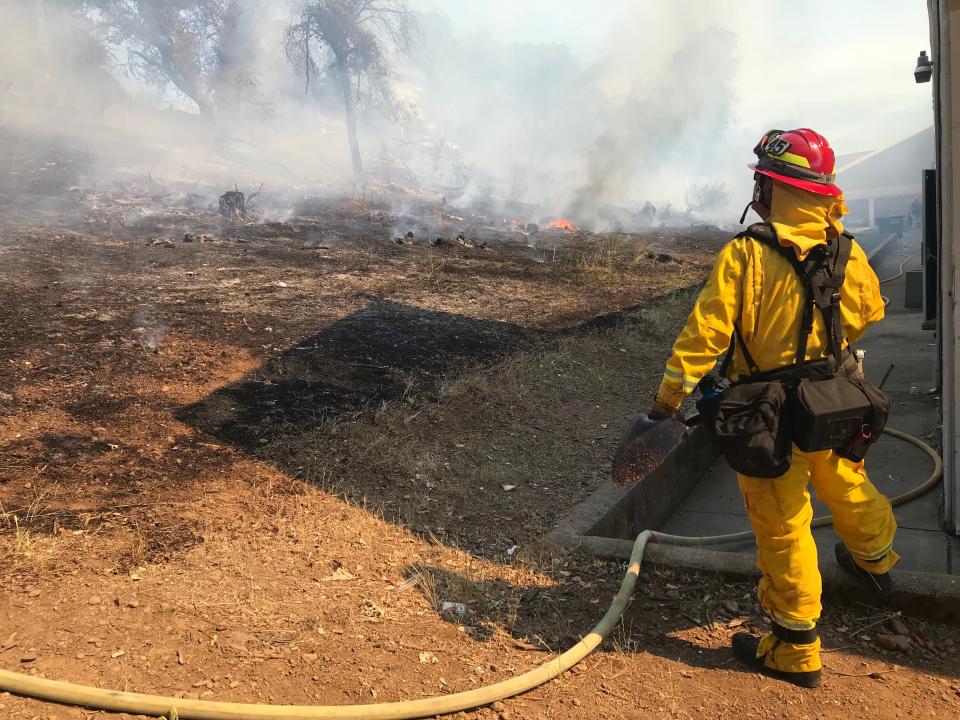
{"points": [[843, 67]]}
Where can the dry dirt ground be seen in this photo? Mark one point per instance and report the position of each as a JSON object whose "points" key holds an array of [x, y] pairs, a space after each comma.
{"points": [[245, 469]]}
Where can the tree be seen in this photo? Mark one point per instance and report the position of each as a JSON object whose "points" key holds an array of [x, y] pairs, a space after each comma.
{"points": [[349, 39], [707, 196], [168, 42]]}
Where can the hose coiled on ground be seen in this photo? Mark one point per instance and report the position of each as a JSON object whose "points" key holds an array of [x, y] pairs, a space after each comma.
{"points": [[156, 705]]}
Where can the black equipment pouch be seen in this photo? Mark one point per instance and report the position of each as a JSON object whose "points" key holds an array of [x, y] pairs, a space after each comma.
{"points": [[749, 423], [841, 413], [817, 405]]}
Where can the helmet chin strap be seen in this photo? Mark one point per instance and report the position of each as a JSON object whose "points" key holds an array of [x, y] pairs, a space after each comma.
{"points": [[759, 186]]}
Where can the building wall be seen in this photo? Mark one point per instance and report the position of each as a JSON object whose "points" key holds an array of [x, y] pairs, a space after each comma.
{"points": [[945, 38]]}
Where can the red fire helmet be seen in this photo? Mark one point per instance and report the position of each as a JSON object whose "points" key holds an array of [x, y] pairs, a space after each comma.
{"points": [[801, 158]]}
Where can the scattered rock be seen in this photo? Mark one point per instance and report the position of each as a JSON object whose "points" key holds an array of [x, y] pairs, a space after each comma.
{"points": [[576, 702], [900, 643], [310, 657], [28, 657], [732, 606], [428, 657], [118, 653], [673, 594], [497, 706], [452, 609], [93, 600], [341, 573], [133, 604]]}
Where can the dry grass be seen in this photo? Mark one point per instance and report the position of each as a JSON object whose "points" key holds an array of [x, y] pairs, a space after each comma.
{"points": [[19, 547], [409, 440], [610, 255], [581, 358]]}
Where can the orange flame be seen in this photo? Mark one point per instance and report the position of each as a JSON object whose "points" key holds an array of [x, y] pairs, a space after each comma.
{"points": [[561, 224]]}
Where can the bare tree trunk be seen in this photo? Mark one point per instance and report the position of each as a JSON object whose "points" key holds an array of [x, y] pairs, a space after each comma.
{"points": [[349, 108]]}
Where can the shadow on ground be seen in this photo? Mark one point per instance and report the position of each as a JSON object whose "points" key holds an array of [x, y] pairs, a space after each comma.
{"points": [[676, 616], [370, 357]]}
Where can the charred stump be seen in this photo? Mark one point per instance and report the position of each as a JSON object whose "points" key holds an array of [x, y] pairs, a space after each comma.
{"points": [[232, 206]]}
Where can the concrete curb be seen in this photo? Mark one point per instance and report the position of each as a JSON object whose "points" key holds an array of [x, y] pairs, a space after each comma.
{"points": [[622, 512], [603, 522], [930, 595], [884, 245]]}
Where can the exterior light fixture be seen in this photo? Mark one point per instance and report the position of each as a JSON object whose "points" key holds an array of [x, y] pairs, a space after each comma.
{"points": [[924, 68]]}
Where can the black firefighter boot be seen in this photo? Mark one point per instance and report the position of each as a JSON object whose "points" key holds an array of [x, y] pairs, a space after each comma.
{"points": [[880, 586], [784, 654]]}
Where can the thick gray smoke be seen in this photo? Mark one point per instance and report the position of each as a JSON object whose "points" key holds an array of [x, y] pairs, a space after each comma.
{"points": [[533, 126], [647, 126]]}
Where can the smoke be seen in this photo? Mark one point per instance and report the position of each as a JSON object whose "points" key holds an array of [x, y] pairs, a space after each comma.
{"points": [[64, 80], [642, 124]]}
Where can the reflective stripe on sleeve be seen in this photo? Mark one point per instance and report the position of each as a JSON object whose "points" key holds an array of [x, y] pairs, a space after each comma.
{"points": [[689, 384], [673, 373]]}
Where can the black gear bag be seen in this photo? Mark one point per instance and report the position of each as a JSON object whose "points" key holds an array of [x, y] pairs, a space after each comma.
{"points": [[748, 421], [816, 405]]}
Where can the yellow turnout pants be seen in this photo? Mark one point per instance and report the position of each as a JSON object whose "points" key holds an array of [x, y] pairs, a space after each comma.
{"points": [[780, 513]]}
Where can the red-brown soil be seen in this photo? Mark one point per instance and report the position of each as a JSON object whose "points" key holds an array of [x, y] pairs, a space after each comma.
{"points": [[240, 469]]}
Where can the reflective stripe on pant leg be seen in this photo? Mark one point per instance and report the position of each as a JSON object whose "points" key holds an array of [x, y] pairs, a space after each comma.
{"points": [[780, 513], [862, 516]]}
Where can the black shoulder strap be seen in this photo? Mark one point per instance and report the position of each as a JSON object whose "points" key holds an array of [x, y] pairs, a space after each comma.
{"points": [[822, 273], [737, 339]]}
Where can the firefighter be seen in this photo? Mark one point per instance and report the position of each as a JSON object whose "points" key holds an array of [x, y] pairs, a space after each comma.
{"points": [[756, 286]]}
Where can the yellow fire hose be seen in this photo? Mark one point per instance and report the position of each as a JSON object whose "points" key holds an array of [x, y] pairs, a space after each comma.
{"points": [[157, 705]]}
